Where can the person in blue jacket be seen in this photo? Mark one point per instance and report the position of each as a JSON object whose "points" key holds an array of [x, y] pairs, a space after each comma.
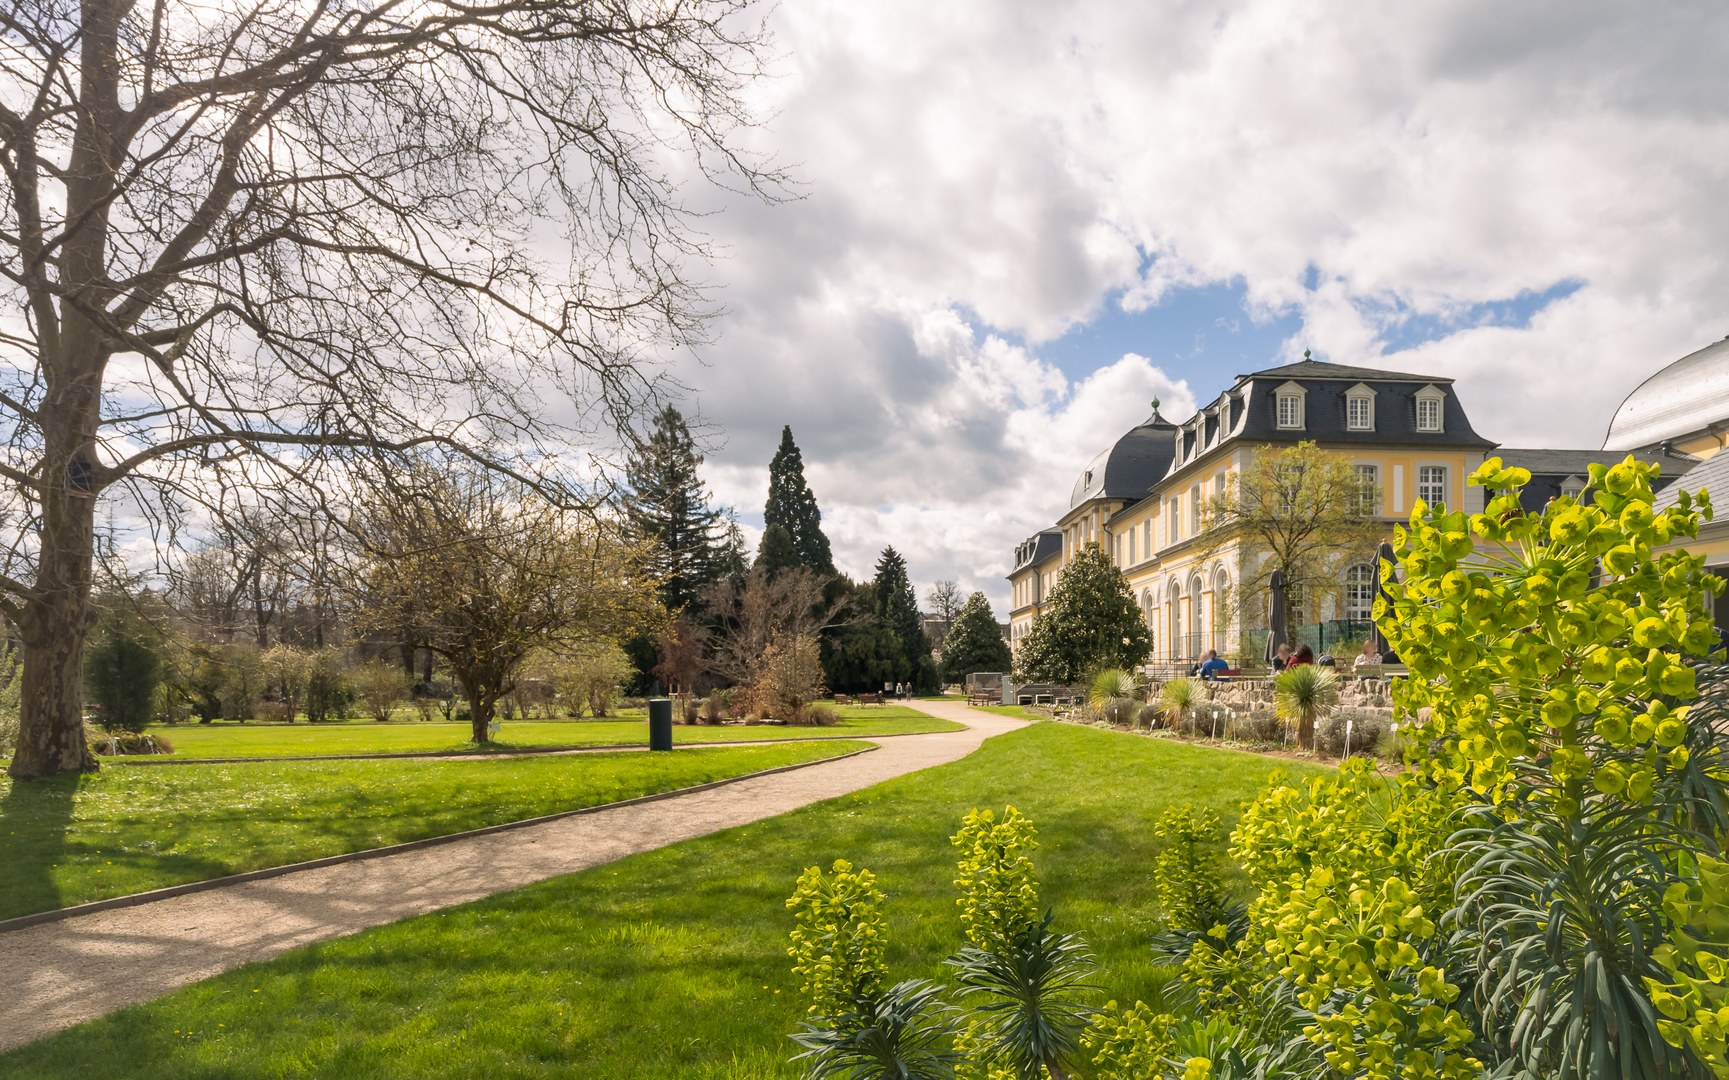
{"points": [[1211, 666]]}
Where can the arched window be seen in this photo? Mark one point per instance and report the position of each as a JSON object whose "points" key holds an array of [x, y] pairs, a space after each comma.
{"points": [[1174, 622], [1221, 594], [1360, 592], [1197, 615]]}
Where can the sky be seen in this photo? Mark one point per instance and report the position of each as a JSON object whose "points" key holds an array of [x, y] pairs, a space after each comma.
{"points": [[1018, 223]]}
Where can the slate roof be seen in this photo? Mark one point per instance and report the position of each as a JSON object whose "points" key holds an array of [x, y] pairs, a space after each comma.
{"points": [[1317, 369], [1037, 548], [1324, 409], [1712, 474], [1132, 465]]}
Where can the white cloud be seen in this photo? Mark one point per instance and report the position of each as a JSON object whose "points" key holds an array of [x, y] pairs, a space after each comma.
{"points": [[1023, 166]]}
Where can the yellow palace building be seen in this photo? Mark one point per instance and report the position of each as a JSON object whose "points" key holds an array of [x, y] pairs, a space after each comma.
{"points": [[1408, 435]]}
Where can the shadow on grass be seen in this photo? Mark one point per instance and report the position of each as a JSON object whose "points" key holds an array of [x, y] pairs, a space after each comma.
{"points": [[35, 823]]}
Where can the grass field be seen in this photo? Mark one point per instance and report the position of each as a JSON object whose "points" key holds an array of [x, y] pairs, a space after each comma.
{"points": [[673, 963], [73, 839], [232, 740]]}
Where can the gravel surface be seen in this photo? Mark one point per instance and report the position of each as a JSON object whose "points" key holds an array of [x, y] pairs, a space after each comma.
{"points": [[61, 973]]}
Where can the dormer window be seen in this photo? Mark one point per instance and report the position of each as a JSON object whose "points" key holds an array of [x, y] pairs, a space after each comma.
{"points": [[1359, 408], [1429, 412], [1289, 407], [1573, 487]]}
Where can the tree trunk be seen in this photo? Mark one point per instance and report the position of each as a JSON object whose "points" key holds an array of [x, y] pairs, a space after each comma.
{"points": [[53, 627], [480, 715], [1306, 731]]}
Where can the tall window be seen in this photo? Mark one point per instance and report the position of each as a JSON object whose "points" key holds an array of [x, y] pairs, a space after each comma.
{"points": [[1360, 592], [1290, 411], [1368, 490], [1429, 409], [1432, 484], [1195, 510], [1173, 524], [1147, 536], [1131, 547], [1360, 412]]}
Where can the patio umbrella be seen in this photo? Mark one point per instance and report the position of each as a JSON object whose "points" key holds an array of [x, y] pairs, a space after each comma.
{"points": [[1276, 630], [1382, 646]]}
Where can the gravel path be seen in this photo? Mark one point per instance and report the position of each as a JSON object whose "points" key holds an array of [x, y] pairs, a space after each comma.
{"points": [[58, 974]]}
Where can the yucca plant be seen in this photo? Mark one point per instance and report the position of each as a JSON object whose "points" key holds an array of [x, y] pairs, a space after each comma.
{"points": [[902, 1033], [1302, 695], [1114, 695], [1179, 698]]}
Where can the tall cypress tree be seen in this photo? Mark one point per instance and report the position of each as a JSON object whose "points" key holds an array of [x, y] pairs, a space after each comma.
{"points": [[897, 606], [792, 507], [667, 508]]}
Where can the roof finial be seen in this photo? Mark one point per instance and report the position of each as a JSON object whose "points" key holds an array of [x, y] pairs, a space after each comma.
{"points": [[1305, 354]]}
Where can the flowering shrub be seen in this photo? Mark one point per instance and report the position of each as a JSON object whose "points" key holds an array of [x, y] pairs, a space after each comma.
{"points": [[839, 937], [999, 898]]}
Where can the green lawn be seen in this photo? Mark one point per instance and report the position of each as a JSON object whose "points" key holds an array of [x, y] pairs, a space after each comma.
{"points": [[673, 963], [78, 838], [232, 740]]}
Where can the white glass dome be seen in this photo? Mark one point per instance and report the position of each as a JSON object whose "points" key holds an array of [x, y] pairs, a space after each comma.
{"points": [[1688, 397]]}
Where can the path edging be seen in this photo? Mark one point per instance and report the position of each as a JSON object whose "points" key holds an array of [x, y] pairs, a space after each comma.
{"points": [[19, 922]]}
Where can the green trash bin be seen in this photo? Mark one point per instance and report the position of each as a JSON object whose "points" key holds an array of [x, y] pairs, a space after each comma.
{"points": [[660, 723]]}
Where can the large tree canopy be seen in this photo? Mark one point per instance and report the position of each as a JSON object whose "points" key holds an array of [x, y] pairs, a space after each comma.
{"points": [[975, 641], [897, 608], [244, 240], [1090, 622]]}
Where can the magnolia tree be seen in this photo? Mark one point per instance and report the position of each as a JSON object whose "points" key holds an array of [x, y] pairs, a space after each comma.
{"points": [[1091, 622]]}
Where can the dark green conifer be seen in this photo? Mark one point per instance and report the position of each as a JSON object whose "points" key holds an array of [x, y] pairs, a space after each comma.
{"points": [[792, 507]]}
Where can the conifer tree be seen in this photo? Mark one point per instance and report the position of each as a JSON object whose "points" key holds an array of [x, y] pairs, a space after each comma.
{"points": [[667, 510], [792, 506], [776, 552], [1092, 623], [897, 607], [975, 641]]}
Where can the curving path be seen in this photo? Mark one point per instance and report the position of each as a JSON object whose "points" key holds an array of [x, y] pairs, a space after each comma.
{"points": [[61, 973]]}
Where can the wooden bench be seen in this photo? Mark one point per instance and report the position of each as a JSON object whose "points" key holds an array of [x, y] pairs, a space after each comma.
{"points": [[870, 699], [983, 697]]}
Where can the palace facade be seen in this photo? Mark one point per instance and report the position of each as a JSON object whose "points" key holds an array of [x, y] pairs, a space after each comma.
{"points": [[1409, 437]]}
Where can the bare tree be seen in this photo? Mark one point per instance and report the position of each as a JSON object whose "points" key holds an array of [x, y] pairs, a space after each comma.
{"points": [[246, 234], [766, 617], [946, 601], [487, 575]]}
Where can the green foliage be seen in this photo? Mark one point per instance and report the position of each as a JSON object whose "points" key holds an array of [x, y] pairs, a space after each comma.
{"points": [[791, 514], [1179, 697], [1187, 871], [999, 893], [11, 693], [666, 510], [1535, 897], [901, 1033], [122, 669], [839, 937], [1302, 695], [1115, 695], [1091, 622], [975, 642], [1693, 997], [327, 692], [1129, 1044], [897, 608]]}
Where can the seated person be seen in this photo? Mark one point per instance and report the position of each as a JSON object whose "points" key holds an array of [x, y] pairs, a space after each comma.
{"points": [[1303, 655], [1370, 656], [1282, 658], [1211, 666]]}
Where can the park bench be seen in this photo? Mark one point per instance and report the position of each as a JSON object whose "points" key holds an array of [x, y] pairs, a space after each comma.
{"points": [[983, 697], [870, 699]]}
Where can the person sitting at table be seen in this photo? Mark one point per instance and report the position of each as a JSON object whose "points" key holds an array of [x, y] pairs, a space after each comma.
{"points": [[1211, 666], [1303, 655], [1370, 656], [1282, 657]]}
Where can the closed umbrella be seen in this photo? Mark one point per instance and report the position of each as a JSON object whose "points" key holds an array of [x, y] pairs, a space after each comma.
{"points": [[1382, 646], [1276, 630]]}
